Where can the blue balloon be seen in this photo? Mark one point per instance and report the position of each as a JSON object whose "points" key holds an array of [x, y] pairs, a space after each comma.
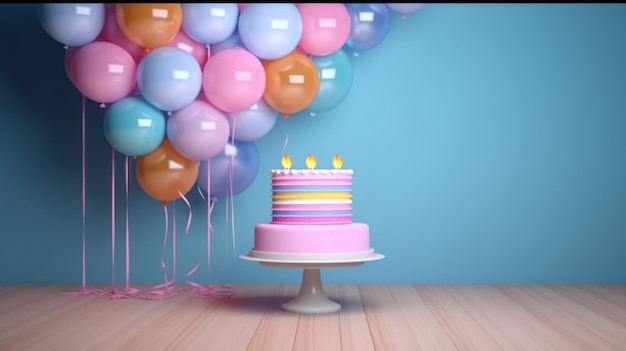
{"points": [[169, 78], [253, 123], [369, 25], [335, 71], [209, 23], [134, 127], [232, 42], [72, 24], [243, 157], [270, 31]]}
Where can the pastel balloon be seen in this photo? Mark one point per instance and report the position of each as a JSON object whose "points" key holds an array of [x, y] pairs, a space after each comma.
{"points": [[210, 23], [233, 80], [325, 28], [112, 33], [199, 51], [164, 172], [149, 25], [292, 83], [254, 122], [335, 71], [242, 158], [103, 71], [405, 8], [68, 62], [369, 25], [72, 24], [198, 131], [270, 30], [169, 78], [134, 127], [233, 41]]}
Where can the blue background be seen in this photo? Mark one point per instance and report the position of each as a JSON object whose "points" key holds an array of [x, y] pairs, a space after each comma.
{"points": [[487, 142]]}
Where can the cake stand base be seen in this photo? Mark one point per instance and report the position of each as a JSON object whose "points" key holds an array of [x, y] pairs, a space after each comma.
{"points": [[311, 298]]}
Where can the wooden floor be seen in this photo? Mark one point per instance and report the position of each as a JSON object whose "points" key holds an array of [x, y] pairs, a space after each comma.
{"points": [[373, 317]]}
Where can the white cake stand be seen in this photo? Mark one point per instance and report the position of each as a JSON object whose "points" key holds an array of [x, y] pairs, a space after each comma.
{"points": [[311, 298]]}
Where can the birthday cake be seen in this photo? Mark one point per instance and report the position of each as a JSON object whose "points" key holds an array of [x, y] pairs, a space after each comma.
{"points": [[312, 215]]}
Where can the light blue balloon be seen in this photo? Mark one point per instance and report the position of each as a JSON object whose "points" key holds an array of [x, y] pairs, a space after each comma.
{"points": [[232, 42], [335, 71], [169, 78], [254, 122], [72, 24], [209, 23], [270, 31], [369, 25], [134, 127], [243, 157]]}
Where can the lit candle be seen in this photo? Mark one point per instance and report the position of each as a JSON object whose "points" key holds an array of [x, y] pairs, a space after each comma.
{"points": [[311, 162], [337, 162], [286, 162]]}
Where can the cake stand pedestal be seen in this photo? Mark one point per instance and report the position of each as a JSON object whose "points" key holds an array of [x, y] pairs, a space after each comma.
{"points": [[311, 298]]}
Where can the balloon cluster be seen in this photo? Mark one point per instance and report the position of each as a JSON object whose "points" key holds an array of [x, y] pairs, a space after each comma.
{"points": [[191, 86]]}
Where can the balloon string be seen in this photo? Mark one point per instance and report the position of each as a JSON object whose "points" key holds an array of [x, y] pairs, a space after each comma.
{"points": [[126, 181], [112, 218], [232, 193], [84, 269], [174, 242], [186, 201]]}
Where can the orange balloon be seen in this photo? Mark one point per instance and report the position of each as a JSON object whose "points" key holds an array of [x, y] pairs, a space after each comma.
{"points": [[163, 172], [149, 25], [291, 82]]}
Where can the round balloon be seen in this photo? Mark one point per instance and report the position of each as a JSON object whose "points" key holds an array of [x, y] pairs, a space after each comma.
{"points": [[210, 23], [238, 161], [169, 78], [198, 131], [335, 71], [254, 122], [292, 82], [405, 8], [369, 25], [199, 51], [164, 173], [233, 80], [149, 25], [134, 127], [68, 62], [103, 71], [72, 24], [270, 30], [325, 28], [112, 33]]}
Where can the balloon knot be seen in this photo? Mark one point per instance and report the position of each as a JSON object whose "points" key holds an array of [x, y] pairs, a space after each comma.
{"points": [[169, 113], [285, 116], [65, 47], [355, 54], [232, 115], [403, 17], [312, 114], [164, 203], [102, 105]]}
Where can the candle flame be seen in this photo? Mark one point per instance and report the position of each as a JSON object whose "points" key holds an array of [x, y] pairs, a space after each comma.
{"points": [[311, 162], [286, 161], [337, 162]]}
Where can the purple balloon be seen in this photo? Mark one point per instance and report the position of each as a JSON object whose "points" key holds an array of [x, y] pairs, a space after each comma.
{"points": [[233, 41], [242, 157], [253, 123], [405, 8], [198, 131]]}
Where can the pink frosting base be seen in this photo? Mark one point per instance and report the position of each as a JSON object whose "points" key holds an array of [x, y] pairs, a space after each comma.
{"points": [[332, 238]]}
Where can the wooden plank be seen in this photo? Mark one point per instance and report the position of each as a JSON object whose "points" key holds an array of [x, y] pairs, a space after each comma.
{"points": [[388, 327], [462, 328], [318, 332], [586, 297], [228, 324], [512, 326], [353, 326], [277, 329], [589, 318], [549, 315]]}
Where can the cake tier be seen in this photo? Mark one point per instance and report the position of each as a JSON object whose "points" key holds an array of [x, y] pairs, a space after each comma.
{"points": [[318, 239], [318, 196]]}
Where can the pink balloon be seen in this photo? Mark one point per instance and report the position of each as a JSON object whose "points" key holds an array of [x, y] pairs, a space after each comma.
{"points": [[103, 71], [233, 80], [198, 131], [198, 50], [405, 8], [112, 33], [325, 27]]}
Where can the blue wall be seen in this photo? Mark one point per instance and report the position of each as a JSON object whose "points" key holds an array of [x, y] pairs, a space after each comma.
{"points": [[487, 142]]}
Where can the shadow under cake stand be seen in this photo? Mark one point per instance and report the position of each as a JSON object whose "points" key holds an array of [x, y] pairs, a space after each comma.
{"points": [[311, 298]]}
